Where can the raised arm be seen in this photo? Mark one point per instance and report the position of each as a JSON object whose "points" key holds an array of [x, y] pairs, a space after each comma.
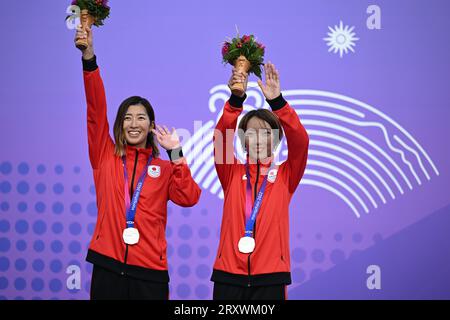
{"points": [[296, 135], [224, 157], [100, 143]]}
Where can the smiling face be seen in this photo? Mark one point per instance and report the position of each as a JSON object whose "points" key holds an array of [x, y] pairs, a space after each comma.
{"points": [[261, 132], [136, 126]]}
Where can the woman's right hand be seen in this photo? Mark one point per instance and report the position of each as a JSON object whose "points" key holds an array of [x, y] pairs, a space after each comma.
{"points": [[81, 33], [238, 77]]}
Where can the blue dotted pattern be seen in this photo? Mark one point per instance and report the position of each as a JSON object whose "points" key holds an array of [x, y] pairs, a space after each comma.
{"points": [[47, 218], [43, 214]]}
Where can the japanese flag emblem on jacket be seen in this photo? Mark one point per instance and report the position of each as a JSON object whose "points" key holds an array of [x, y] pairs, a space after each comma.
{"points": [[272, 175], [154, 171]]}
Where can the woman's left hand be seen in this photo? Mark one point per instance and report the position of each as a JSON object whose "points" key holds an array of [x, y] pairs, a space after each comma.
{"points": [[271, 89], [168, 140]]}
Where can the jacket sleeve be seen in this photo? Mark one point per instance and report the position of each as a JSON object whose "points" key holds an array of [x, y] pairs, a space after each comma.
{"points": [[224, 158], [297, 140], [100, 142], [183, 190]]}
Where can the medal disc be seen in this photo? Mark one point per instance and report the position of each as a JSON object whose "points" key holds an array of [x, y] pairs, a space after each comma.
{"points": [[131, 236], [246, 244]]}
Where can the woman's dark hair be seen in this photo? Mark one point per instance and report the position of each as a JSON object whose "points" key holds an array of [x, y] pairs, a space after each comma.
{"points": [[119, 135], [262, 114]]}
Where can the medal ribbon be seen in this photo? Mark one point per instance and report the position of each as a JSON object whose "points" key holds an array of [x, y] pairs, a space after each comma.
{"points": [[130, 206], [252, 213]]}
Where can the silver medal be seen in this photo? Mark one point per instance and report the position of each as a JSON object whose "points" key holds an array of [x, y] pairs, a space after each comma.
{"points": [[131, 236], [246, 244]]}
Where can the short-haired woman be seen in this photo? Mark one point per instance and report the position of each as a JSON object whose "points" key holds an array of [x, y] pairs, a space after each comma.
{"points": [[253, 260]]}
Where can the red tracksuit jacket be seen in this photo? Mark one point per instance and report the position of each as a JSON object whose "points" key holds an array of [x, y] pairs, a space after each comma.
{"points": [[269, 263], [147, 258]]}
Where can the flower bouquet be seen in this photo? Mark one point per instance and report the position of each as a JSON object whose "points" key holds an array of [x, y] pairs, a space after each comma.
{"points": [[246, 55], [93, 12]]}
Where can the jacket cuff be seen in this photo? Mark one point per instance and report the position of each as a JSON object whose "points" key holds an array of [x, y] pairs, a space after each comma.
{"points": [[175, 154], [277, 103], [90, 65], [236, 101]]}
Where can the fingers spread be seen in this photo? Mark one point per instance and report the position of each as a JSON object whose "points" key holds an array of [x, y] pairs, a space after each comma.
{"points": [[160, 130], [268, 72], [156, 133], [276, 75]]}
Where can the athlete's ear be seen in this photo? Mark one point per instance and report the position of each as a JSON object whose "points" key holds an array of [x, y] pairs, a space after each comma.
{"points": [[152, 125]]}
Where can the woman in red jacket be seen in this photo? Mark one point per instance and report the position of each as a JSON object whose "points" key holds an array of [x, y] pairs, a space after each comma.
{"points": [[253, 260], [133, 185]]}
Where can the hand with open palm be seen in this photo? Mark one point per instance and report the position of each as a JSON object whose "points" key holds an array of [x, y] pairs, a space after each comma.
{"points": [[271, 89], [168, 140]]}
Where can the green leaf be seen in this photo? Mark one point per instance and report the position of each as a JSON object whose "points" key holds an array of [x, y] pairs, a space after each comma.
{"points": [[250, 50]]}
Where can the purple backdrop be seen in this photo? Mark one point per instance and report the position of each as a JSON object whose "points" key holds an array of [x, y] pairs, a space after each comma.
{"points": [[375, 192]]}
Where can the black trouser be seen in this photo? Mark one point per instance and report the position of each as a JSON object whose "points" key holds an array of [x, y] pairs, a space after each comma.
{"points": [[108, 285], [231, 292]]}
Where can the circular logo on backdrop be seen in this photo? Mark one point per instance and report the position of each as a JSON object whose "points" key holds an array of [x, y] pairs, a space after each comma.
{"points": [[154, 171], [329, 122]]}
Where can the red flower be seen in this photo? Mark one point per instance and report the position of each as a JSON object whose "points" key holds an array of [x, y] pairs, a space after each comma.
{"points": [[225, 48], [246, 39], [103, 3]]}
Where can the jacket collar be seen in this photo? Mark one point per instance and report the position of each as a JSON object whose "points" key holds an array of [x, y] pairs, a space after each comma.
{"points": [[264, 164], [143, 153]]}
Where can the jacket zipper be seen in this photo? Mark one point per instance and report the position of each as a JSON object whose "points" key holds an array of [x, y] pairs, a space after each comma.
{"points": [[131, 195], [254, 227]]}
